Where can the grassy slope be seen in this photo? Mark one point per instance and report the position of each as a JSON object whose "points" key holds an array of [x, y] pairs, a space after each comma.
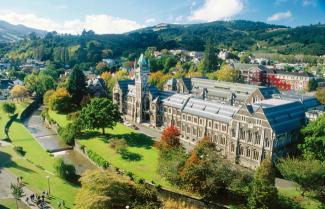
{"points": [[4, 117], [30, 169], [11, 204]]}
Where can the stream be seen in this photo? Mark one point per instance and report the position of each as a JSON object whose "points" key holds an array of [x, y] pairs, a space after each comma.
{"points": [[52, 142]]}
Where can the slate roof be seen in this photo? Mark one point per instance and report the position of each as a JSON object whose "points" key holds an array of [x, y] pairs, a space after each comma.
{"points": [[123, 84], [201, 108], [283, 115], [211, 110], [308, 101], [224, 89]]}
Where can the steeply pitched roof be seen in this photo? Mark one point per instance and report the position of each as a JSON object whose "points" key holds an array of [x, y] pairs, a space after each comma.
{"points": [[123, 84], [283, 115]]}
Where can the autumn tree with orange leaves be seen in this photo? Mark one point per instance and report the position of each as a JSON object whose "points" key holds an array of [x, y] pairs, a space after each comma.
{"points": [[169, 138]]}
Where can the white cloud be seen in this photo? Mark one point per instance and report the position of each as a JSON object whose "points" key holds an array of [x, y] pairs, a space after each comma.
{"points": [[280, 16], [217, 10], [150, 20], [101, 24]]}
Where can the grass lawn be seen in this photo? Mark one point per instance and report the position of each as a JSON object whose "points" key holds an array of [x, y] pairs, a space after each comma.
{"points": [[36, 165], [308, 201], [4, 118], [11, 204], [141, 158], [61, 119], [36, 178]]}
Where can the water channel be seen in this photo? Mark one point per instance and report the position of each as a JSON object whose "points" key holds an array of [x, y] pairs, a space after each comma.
{"points": [[52, 143]]}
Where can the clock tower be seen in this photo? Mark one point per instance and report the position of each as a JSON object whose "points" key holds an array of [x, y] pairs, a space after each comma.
{"points": [[141, 85]]}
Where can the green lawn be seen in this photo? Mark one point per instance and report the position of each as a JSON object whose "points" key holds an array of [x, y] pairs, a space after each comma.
{"points": [[36, 165], [11, 204], [61, 119], [4, 118], [142, 158], [308, 201]]}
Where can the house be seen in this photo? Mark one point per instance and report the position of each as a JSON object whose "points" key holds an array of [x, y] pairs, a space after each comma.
{"points": [[96, 87], [252, 73], [18, 82]]}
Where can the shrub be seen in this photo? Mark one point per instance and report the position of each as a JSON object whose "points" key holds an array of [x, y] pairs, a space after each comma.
{"points": [[131, 175], [140, 181], [20, 150], [67, 135], [98, 159], [65, 171]]}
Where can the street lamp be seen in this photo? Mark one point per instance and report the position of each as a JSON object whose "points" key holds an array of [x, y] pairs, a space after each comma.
{"points": [[48, 184], [127, 207]]}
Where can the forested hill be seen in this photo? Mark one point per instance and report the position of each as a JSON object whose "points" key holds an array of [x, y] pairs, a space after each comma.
{"points": [[10, 33], [238, 35]]}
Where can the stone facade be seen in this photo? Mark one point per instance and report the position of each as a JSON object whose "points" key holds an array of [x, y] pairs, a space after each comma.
{"points": [[247, 123]]}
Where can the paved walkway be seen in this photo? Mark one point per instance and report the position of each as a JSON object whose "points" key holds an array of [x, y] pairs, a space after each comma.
{"points": [[6, 178]]}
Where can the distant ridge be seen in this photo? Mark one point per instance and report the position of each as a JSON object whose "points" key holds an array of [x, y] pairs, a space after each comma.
{"points": [[11, 33]]}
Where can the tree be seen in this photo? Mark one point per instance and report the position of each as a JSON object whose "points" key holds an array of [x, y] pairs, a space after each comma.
{"points": [[207, 173], [39, 83], [210, 60], [60, 100], [17, 191], [105, 190], [320, 95], [170, 163], [169, 138], [313, 146], [19, 92], [246, 57], [9, 108], [309, 174], [228, 74], [100, 113], [312, 85], [263, 194], [101, 67], [77, 85], [65, 171]]}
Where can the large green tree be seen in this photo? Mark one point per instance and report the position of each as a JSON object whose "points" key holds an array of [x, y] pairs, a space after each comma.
{"points": [[210, 60], [313, 146], [105, 190], [76, 85], [263, 194], [309, 174], [39, 83], [100, 113]]}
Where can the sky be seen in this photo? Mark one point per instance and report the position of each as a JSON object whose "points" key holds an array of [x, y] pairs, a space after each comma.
{"points": [[119, 16]]}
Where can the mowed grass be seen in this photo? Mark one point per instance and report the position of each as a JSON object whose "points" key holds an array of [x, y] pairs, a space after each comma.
{"points": [[36, 165], [308, 201], [36, 178], [11, 204], [61, 119], [142, 156], [4, 118]]}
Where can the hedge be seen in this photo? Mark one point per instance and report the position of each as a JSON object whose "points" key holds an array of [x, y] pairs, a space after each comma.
{"points": [[97, 159]]}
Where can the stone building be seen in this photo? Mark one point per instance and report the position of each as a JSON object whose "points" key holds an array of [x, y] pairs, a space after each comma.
{"points": [[247, 123]]}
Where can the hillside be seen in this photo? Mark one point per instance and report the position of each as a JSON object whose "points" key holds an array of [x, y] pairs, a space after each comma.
{"points": [[238, 35], [11, 33]]}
